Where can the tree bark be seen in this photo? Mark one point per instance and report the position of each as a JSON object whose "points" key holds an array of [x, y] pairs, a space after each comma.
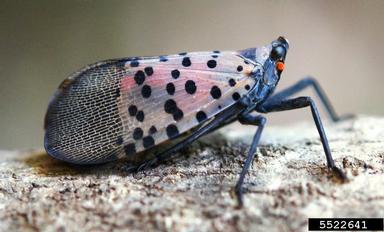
{"points": [[288, 182]]}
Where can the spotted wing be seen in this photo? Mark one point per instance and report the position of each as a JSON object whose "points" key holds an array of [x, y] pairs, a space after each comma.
{"points": [[122, 107]]}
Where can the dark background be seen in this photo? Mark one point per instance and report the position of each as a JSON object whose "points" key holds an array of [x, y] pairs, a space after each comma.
{"points": [[41, 42]]}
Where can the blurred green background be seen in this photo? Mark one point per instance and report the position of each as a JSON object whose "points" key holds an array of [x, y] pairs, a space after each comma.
{"points": [[41, 42]]}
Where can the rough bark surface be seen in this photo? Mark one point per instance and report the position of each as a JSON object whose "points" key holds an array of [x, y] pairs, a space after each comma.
{"points": [[288, 182]]}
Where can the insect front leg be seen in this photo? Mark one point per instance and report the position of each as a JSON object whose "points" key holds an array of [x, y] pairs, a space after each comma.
{"points": [[301, 102], [304, 83], [256, 120]]}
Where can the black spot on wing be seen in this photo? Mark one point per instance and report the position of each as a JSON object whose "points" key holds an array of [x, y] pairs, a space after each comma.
{"points": [[120, 65], [163, 59], [132, 110], [170, 106], [148, 141], [119, 140], [236, 96], [140, 116], [215, 92], [175, 73], [211, 63], [152, 130], [148, 71], [232, 82], [170, 88], [130, 149], [137, 133], [172, 131], [186, 62], [190, 87], [134, 63], [139, 77], [146, 91], [178, 114], [201, 116]]}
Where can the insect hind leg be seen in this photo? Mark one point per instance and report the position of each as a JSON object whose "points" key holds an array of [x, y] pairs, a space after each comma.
{"points": [[301, 102], [305, 83]]}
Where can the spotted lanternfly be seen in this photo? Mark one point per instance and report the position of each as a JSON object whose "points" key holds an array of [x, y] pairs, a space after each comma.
{"points": [[122, 107]]}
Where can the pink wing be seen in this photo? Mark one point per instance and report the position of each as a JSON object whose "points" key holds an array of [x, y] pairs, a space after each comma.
{"points": [[121, 107]]}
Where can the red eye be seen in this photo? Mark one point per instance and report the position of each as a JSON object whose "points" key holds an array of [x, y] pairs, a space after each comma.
{"points": [[280, 66]]}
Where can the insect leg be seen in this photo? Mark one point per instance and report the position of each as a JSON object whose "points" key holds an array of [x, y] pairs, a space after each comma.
{"points": [[302, 84], [209, 127], [245, 103], [301, 102], [256, 120]]}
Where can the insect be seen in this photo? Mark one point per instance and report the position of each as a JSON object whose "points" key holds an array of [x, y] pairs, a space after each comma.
{"points": [[125, 107]]}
